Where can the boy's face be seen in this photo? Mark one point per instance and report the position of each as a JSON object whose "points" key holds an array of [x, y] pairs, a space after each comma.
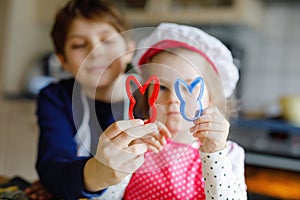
{"points": [[93, 53], [168, 67]]}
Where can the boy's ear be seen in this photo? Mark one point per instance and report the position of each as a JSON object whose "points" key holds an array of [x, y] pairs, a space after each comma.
{"points": [[130, 50], [62, 60]]}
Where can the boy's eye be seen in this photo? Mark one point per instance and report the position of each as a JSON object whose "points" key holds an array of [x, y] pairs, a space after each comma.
{"points": [[78, 46], [109, 41]]}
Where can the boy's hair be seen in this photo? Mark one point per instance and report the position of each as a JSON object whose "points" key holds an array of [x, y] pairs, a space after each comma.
{"points": [[100, 10]]}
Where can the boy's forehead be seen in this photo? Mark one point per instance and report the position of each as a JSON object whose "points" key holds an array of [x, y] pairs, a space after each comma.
{"points": [[82, 25]]}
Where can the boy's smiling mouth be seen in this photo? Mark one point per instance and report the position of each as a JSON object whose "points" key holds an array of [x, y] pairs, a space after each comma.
{"points": [[96, 69]]}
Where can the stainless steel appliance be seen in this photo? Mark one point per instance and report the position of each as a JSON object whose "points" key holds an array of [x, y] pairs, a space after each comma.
{"points": [[268, 142]]}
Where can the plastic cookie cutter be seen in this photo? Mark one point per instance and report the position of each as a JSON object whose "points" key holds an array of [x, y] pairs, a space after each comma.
{"points": [[142, 89], [190, 88]]}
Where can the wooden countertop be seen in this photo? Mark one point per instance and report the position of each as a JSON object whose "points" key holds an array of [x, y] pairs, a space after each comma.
{"points": [[273, 182]]}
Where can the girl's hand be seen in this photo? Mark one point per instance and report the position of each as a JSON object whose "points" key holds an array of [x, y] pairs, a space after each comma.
{"points": [[121, 150], [155, 142], [212, 130], [38, 192]]}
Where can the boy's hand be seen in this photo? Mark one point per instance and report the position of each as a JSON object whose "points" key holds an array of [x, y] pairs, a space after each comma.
{"points": [[121, 150], [212, 130], [38, 192], [125, 143]]}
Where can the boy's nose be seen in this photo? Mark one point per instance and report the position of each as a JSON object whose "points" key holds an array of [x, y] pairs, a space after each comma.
{"points": [[96, 49]]}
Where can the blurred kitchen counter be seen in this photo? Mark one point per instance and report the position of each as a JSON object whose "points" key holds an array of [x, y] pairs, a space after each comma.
{"points": [[3, 179], [276, 183]]}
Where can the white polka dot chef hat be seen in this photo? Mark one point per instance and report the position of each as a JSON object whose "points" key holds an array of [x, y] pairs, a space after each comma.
{"points": [[170, 35]]}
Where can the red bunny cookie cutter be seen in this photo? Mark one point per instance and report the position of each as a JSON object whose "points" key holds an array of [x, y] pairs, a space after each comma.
{"points": [[142, 89]]}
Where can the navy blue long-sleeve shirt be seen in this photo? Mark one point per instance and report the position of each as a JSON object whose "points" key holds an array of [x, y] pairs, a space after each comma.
{"points": [[58, 166]]}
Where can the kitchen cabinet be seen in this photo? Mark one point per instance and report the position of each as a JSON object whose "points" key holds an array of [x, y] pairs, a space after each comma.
{"points": [[152, 12]]}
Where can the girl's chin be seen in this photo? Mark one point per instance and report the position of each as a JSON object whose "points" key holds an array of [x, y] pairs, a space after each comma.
{"points": [[173, 126], [176, 126]]}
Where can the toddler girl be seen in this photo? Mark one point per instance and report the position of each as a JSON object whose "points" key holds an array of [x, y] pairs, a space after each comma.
{"points": [[198, 162]]}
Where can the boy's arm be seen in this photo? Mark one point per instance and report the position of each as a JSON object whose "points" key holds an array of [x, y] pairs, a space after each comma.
{"points": [[58, 166]]}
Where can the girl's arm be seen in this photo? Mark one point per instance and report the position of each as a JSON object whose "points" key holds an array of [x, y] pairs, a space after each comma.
{"points": [[223, 172], [222, 161]]}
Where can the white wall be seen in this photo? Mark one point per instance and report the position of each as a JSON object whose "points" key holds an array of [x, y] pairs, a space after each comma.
{"points": [[26, 38], [3, 7], [272, 59]]}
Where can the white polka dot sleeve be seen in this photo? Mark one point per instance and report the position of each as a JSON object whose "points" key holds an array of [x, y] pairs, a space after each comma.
{"points": [[223, 173]]}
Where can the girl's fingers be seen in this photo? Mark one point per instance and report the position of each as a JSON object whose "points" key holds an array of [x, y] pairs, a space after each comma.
{"points": [[217, 127], [153, 148], [207, 118], [157, 138], [163, 130], [212, 135], [213, 117], [118, 127], [127, 136], [211, 120], [137, 148], [153, 143], [211, 110], [210, 116]]}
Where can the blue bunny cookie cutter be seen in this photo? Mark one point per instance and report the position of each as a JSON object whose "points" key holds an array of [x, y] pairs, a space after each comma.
{"points": [[190, 88]]}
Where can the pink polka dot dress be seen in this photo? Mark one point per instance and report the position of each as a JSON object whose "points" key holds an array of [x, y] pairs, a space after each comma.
{"points": [[173, 173]]}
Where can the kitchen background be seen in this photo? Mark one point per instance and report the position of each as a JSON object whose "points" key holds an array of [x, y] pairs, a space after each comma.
{"points": [[264, 36]]}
